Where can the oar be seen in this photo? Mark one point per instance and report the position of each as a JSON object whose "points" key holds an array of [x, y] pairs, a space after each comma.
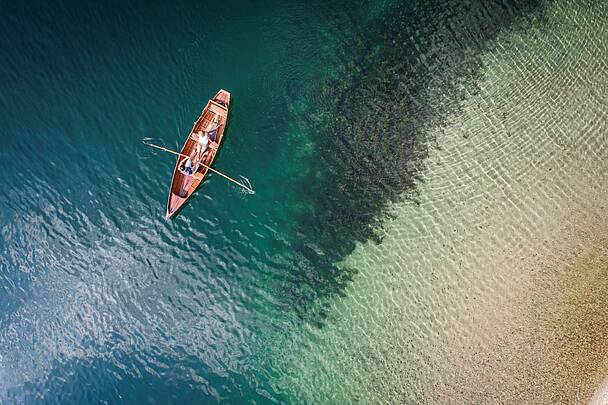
{"points": [[202, 164]]}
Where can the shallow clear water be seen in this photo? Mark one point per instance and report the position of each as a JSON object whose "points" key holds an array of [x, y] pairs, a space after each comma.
{"points": [[380, 137]]}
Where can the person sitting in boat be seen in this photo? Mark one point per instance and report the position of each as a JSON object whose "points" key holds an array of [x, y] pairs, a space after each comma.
{"points": [[187, 167]]}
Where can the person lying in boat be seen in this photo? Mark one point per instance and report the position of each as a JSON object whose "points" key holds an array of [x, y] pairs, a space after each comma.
{"points": [[202, 138], [202, 144], [213, 128]]}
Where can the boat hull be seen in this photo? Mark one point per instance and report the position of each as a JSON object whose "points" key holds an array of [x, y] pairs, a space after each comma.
{"points": [[183, 186]]}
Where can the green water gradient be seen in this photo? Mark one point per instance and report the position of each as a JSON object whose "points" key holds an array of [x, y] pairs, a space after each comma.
{"points": [[337, 110]]}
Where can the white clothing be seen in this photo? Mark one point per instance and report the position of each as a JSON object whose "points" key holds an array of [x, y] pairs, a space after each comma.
{"points": [[203, 141]]}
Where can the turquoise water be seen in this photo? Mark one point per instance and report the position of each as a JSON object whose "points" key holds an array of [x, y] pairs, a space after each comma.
{"points": [[102, 299]]}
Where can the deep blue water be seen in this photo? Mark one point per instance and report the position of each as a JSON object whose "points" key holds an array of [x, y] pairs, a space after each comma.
{"points": [[101, 299]]}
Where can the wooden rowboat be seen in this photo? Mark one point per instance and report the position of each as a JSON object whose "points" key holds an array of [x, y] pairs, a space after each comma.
{"points": [[213, 118]]}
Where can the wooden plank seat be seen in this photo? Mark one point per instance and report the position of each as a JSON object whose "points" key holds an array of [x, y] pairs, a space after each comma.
{"points": [[217, 109]]}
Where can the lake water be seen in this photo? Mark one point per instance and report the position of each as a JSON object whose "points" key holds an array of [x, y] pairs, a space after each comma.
{"points": [[429, 222]]}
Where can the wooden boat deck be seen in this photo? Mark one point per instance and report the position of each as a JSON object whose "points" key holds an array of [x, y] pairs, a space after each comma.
{"points": [[183, 186]]}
